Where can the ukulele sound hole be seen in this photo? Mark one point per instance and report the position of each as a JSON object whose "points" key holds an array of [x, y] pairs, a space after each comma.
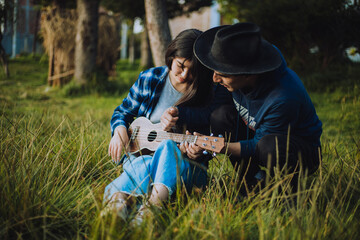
{"points": [[152, 136]]}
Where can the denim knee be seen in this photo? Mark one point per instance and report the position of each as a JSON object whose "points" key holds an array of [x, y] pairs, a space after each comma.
{"points": [[167, 144]]}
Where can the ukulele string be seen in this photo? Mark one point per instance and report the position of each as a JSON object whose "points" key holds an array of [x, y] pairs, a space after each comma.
{"points": [[153, 136]]}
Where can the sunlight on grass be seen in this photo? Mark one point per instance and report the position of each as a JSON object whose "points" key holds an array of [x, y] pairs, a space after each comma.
{"points": [[54, 168]]}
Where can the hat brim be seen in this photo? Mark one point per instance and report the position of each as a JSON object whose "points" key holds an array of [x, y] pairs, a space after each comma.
{"points": [[269, 59]]}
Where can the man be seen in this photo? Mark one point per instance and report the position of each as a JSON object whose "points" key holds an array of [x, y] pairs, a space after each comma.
{"points": [[275, 123]]}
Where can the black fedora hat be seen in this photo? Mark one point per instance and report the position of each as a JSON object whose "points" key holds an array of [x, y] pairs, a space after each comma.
{"points": [[236, 49]]}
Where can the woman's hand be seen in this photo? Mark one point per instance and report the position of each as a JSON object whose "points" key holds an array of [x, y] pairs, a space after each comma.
{"points": [[169, 118], [118, 143], [192, 150]]}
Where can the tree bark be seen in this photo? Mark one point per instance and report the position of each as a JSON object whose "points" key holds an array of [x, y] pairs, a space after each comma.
{"points": [[86, 40], [145, 61], [158, 28], [3, 59], [36, 31], [51, 64], [132, 44]]}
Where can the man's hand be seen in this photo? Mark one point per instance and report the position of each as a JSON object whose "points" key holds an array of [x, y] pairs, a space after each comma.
{"points": [[192, 150], [117, 143], [169, 118]]}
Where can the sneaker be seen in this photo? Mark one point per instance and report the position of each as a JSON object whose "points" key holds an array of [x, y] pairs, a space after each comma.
{"points": [[144, 211], [140, 215], [119, 206]]}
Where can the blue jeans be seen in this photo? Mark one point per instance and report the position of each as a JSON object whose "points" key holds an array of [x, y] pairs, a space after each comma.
{"points": [[167, 166]]}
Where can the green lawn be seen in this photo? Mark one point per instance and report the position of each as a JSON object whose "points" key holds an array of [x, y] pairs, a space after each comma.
{"points": [[54, 168]]}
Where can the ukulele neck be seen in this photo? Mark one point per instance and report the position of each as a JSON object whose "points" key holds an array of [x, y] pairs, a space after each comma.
{"points": [[178, 138]]}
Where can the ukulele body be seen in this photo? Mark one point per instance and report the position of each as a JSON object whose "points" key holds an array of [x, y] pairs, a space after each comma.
{"points": [[144, 135]]}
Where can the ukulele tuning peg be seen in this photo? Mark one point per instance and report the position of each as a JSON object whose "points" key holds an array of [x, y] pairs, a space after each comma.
{"points": [[220, 135], [211, 134], [205, 152], [214, 154]]}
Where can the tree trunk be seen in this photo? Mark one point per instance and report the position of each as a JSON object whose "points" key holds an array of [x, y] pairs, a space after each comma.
{"points": [[36, 31], [145, 61], [51, 64], [132, 44], [86, 40], [158, 29], [3, 59]]}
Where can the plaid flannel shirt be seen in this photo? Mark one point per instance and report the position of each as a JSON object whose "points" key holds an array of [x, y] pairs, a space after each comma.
{"points": [[141, 99]]}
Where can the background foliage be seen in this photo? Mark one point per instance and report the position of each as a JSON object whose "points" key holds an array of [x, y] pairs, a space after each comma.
{"points": [[297, 26], [53, 145], [54, 168]]}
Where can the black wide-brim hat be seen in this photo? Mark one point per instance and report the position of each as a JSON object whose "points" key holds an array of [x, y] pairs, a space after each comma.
{"points": [[236, 49]]}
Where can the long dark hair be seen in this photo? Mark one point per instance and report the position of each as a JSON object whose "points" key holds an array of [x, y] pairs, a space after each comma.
{"points": [[199, 91]]}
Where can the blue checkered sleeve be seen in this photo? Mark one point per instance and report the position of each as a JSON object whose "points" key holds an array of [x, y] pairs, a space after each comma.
{"points": [[139, 99]]}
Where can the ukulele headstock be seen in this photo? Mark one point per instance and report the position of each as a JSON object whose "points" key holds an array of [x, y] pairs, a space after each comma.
{"points": [[210, 143]]}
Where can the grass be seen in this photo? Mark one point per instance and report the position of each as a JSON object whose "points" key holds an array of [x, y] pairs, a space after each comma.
{"points": [[54, 168]]}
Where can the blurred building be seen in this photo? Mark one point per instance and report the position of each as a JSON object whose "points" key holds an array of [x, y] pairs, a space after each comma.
{"points": [[202, 19], [20, 31]]}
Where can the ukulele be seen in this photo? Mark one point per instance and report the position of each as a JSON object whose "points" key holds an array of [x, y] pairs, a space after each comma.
{"points": [[144, 135]]}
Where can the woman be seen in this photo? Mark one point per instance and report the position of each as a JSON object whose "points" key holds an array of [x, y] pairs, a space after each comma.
{"points": [[182, 82]]}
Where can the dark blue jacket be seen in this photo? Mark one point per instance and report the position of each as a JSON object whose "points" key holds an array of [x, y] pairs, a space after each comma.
{"points": [[280, 104]]}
